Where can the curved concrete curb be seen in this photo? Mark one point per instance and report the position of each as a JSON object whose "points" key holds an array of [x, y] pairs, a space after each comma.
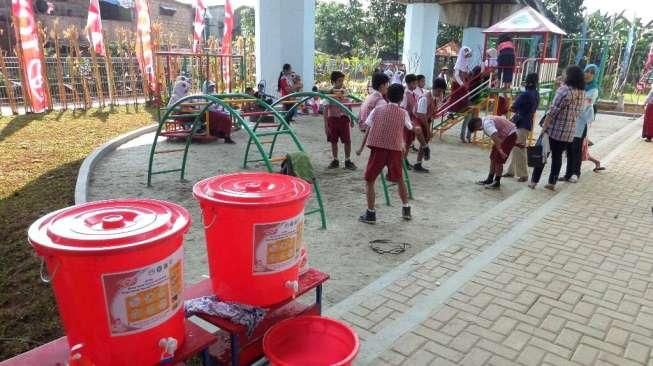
{"points": [[84, 174]]}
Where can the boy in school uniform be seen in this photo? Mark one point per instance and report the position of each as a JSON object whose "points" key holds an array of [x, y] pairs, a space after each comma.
{"points": [[384, 137], [337, 124], [427, 107], [380, 83], [504, 136], [421, 86], [410, 105]]}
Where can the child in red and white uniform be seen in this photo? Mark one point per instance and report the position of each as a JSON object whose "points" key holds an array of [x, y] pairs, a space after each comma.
{"points": [[427, 108], [410, 105], [421, 85], [504, 135], [337, 124], [380, 83], [384, 137]]}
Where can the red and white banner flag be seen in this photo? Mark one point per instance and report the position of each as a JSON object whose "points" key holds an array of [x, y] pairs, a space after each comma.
{"points": [[198, 25], [94, 28], [144, 44], [31, 54], [226, 39]]}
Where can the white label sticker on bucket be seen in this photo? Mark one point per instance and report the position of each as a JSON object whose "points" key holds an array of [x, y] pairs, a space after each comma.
{"points": [[276, 245], [144, 297]]}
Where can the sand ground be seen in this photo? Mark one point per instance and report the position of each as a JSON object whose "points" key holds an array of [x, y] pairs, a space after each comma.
{"points": [[444, 199]]}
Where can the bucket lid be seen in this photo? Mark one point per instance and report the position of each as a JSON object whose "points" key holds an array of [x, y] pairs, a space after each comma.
{"points": [[111, 225], [252, 189]]}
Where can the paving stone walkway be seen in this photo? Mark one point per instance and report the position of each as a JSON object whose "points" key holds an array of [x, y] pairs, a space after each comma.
{"points": [[548, 278]]}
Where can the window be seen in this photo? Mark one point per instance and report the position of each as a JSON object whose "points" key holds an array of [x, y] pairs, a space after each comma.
{"points": [[116, 10]]}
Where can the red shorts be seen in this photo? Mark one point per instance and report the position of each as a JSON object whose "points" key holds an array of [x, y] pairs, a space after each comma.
{"points": [[507, 145], [381, 158], [220, 124], [409, 137], [338, 128]]}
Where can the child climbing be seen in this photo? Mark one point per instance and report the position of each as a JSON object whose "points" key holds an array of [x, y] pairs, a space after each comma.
{"points": [[337, 124], [505, 60], [384, 137]]}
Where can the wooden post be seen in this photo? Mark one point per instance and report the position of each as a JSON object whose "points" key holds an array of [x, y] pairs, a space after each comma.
{"points": [[111, 81], [8, 85], [44, 73], [73, 38], [63, 97], [96, 72]]}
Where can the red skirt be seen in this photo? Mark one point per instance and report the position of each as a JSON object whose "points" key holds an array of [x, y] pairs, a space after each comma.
{"points": [[647, 131], [220, 124]]}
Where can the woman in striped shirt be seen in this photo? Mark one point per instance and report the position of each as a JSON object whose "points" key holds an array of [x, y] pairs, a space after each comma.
{"points": [[560, 123]]}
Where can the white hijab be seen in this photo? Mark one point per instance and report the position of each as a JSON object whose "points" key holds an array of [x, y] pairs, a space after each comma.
{"points": [[462, 62], [179, 91]]}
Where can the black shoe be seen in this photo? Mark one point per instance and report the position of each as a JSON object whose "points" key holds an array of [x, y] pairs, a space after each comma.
{"points": [[562, 179], [413, 148], [334, 164], [419, 168], [427, 153], [369, 217], [484, 182], [495, 185], [349, 165], [405, 213], [228, 140], [408, 166]]}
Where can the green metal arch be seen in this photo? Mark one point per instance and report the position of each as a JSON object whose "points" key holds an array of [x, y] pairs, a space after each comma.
{"points": [[308, 95], [213, 100]]}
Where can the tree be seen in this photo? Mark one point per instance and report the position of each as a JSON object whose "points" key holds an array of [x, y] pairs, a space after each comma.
{"points": [[340, 28], [568, 14], [386, 19], [244, 20], [448, 33]]}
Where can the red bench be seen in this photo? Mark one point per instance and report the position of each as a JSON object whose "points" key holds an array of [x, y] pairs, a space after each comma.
{"points": [[56, 353], [240, 349]]}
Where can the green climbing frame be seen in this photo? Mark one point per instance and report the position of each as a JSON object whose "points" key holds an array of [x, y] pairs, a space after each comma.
{"points": [[222, 100], [301, 97]]}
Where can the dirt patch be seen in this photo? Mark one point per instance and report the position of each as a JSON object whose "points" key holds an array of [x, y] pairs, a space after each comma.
{"points": [[444, 199]]}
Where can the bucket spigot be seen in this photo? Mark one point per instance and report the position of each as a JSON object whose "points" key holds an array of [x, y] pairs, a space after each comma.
{"points": [[294, 286], [76, 357], [168, 347]]}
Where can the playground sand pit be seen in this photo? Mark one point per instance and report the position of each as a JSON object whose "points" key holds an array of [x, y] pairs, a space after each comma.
{"points": [[444, 200]]}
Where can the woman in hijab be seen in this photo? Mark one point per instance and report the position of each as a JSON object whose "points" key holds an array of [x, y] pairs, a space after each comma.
{"points": [[577, 151], [647, 131], [462, 68]]}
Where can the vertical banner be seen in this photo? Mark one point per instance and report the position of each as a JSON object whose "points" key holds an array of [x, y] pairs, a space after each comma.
{"points": [[198, 25], [144, 44], [94, 28], [226, 39], [31, 56]]}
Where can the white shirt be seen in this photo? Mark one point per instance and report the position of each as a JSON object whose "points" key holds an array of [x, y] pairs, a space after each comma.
{"points": [[407, 123], [422, 104], [488, 126], [419, 92]]}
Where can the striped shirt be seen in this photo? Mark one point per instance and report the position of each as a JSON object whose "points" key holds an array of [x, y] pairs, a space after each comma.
{"points": [[386, 127], [563, 113], [372, 101]]}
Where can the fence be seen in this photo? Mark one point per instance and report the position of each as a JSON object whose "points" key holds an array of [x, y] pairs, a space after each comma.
{"points": [[73, 83]]}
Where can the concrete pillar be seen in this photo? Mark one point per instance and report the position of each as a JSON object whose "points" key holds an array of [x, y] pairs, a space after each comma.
{"points": [[420, 39], [285, 33], [473, 38]]}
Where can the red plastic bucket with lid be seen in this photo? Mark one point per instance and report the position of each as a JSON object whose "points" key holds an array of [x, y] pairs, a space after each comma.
{"points": [[253, 226], [310, 340], [116, 268]]}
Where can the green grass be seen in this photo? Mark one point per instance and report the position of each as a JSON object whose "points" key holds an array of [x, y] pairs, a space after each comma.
{"points": [[635, 98], [41, 155]]}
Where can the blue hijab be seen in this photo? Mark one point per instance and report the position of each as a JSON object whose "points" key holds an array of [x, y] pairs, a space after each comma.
{"points": [[592, 84]]}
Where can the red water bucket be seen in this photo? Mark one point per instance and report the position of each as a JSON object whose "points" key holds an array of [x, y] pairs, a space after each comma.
{"points": [[117, 272], [253, 225], [310, 340]]}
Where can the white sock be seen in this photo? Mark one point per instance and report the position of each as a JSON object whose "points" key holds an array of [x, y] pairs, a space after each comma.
{"points": [[371, 210], [406, 205]]}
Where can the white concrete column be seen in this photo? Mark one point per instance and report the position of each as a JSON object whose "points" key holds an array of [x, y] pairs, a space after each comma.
{"points": [[285, 33], [473, 38], [420, 39]]}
